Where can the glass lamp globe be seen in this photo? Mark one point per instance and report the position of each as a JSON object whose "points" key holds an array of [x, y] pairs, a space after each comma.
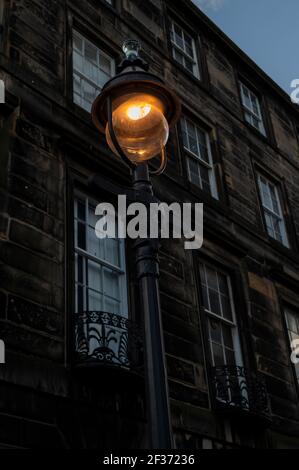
{"points": [[139, 125]]}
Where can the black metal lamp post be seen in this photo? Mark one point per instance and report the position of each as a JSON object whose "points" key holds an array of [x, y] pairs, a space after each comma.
{"points": [[135, 111]]}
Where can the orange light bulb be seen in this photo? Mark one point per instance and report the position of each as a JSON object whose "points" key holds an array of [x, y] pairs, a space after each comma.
{"points": [[138, 111]]}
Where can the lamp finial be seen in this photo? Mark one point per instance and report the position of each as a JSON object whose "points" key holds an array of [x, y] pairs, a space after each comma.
{"points": [[131, 48], [132, 59]]}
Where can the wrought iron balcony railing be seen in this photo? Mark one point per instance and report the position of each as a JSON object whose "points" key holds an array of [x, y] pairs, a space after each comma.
{"points": [[108, 339], [234, 388]]}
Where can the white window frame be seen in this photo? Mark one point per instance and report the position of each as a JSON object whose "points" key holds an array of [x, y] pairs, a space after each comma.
{"points": [[183, 50], [120, 270], [224, 321], [250, 113], [82, 76], [291, 311], [196, 157], [271, 211]]}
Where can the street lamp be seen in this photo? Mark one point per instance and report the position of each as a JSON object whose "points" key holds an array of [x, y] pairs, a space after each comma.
{"points": [[135, 111]]}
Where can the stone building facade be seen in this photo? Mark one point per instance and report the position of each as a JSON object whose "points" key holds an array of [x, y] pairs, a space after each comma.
{"points": [[230, 310]]}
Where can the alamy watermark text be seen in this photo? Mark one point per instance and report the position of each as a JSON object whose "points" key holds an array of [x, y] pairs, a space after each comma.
{"points": [[155, 220]]}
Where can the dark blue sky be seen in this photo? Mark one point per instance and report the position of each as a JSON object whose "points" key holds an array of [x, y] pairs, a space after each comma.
{"points": [[266, 30]]}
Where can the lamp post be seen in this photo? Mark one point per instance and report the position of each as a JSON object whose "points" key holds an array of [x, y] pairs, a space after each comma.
{"points": [[135, 110]]}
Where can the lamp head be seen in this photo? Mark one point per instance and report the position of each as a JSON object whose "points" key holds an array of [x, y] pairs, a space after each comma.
{"points": [[135, 109]]}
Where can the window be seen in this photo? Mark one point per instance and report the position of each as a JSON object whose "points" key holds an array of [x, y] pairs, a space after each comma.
{"points": [[92, 68], [252, 109], [272, 210], [292, 321], [223, 334], [100, 274], [183, 49], [199, 157]]}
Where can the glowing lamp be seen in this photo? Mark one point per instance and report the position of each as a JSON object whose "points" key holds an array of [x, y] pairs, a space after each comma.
{"points": [[135, 110]]}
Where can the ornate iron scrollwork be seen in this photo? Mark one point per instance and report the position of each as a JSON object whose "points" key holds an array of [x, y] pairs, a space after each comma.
{"points": [[106, 338], [234, 388]]}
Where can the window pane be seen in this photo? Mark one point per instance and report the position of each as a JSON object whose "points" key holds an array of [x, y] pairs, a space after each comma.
{"points": [[202, 274], [112, 251], [218, 355], [89, 92], [92, 217], [95, 276], [112, 306], [266, 197], [185, 140], [77, 99], [90, 52], [212, 278], [205, 178], [226, 307], [78, 61], [102, 79], [77, 42], [81, 209], [277, 226], [189, 64], [222, 282], [80, 299], [111, 283], [254, 103], [274, 199], [248, 117], [91, 71], [179, 57], [214, 302], [227, 337], [95, 245], [191, 129], [194, 173], [95, 300], [215, 331], [205, 297], [291, 322], [77, 85], [269, 225], [189, 49], [80, 270], [230, 357], [256, 122], [178, 37], [201, 136], [105, 64], [81, 240], [188, 45]]}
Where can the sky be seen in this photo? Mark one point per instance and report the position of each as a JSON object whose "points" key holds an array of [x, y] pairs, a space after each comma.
{"points": [[266, 30]]}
